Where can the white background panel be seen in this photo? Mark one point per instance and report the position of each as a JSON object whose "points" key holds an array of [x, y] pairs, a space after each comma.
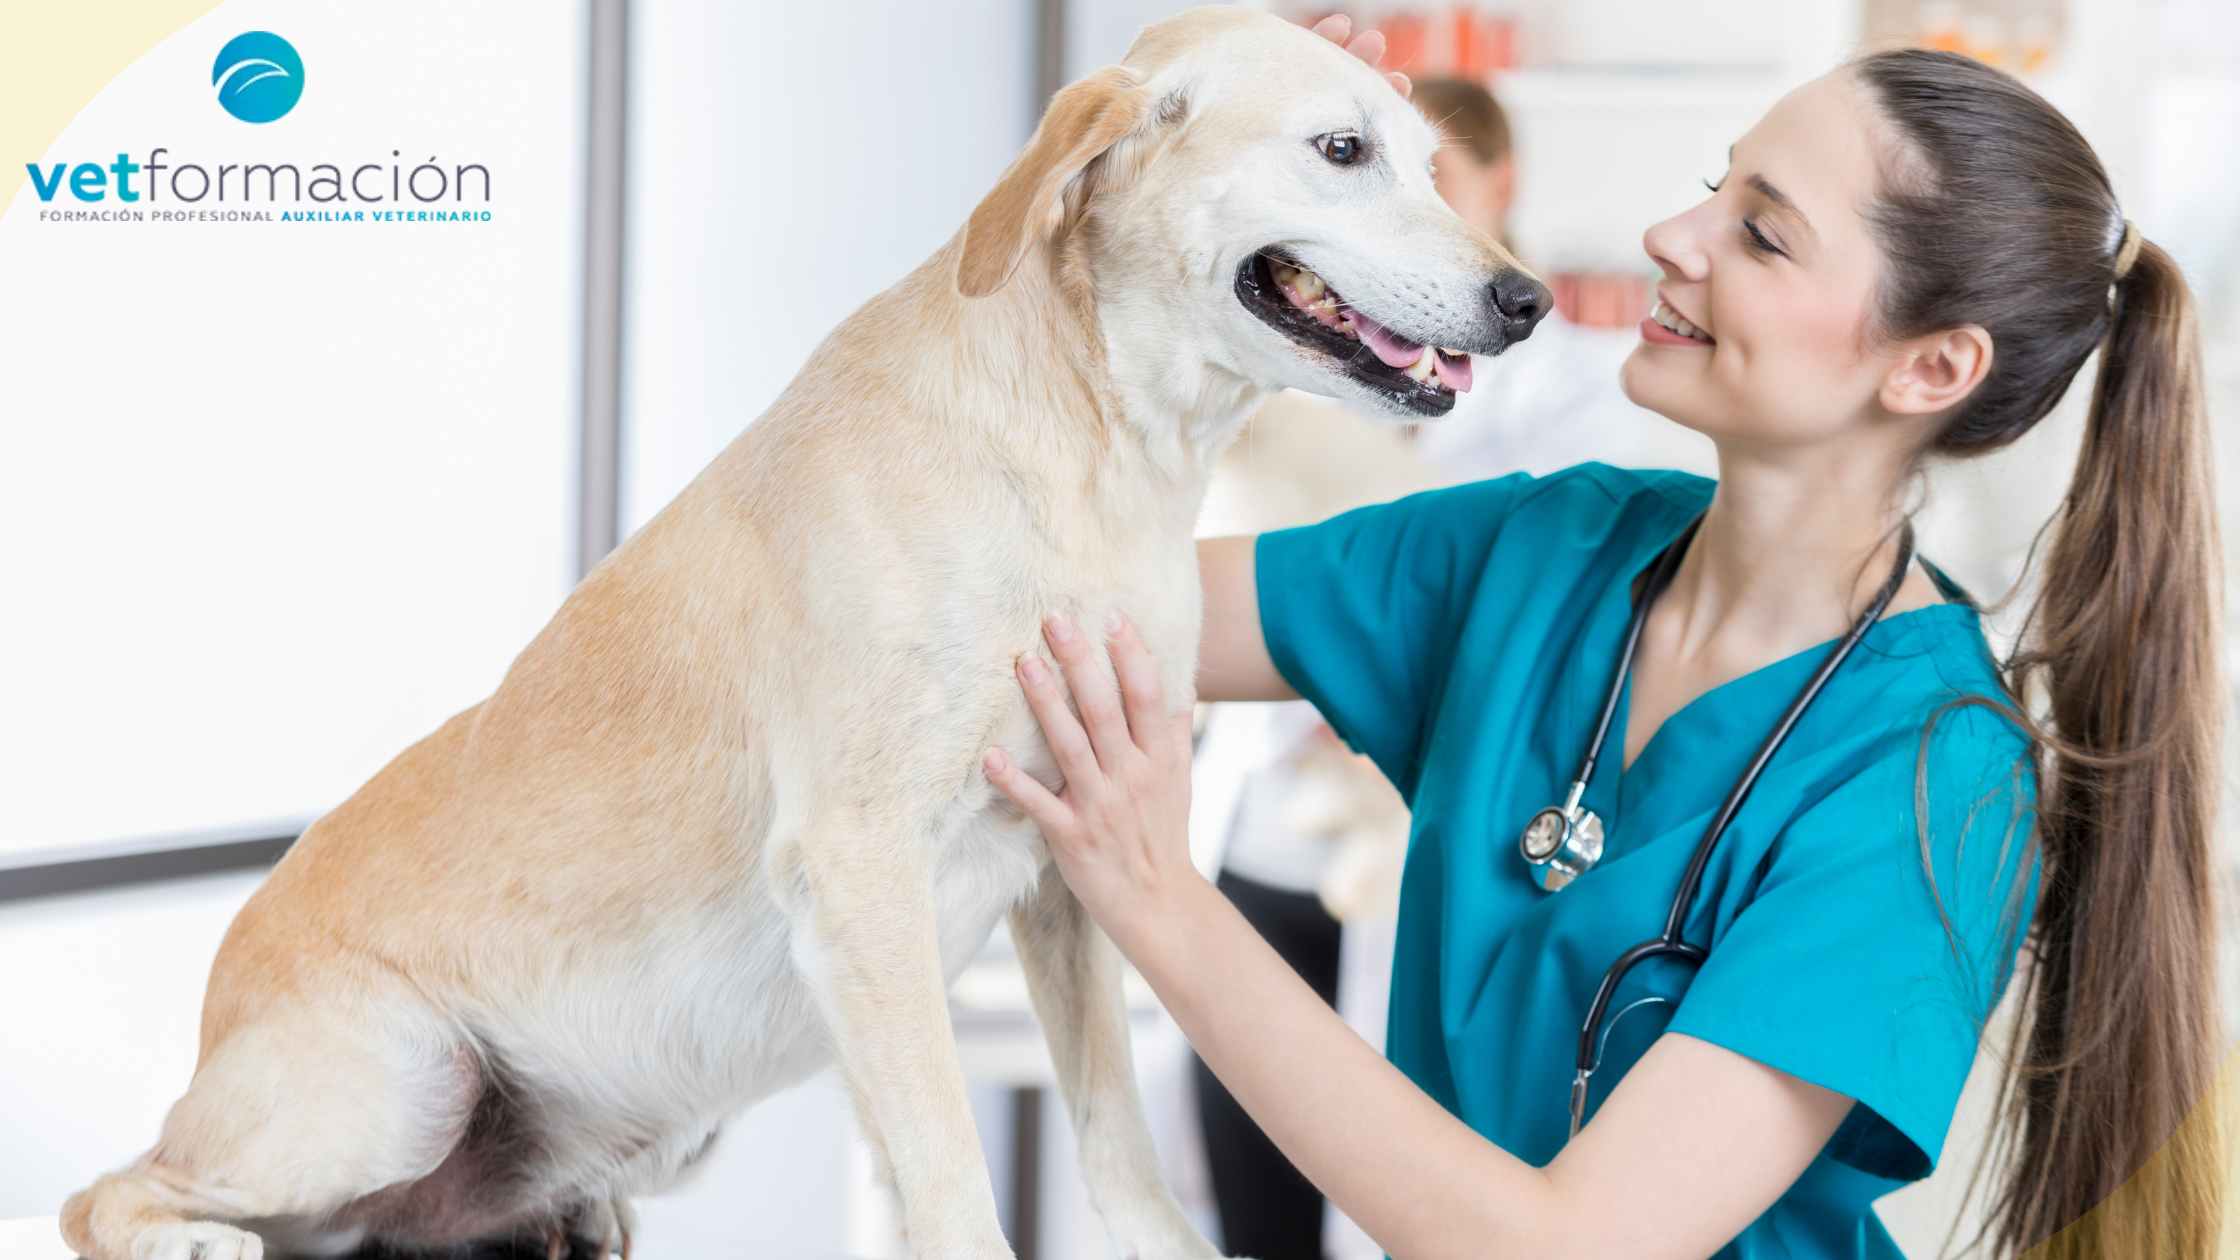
{"points": [[281, 497], [786, 164]]}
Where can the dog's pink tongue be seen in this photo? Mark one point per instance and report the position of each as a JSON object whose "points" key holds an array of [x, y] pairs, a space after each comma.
{"points": [[1396, 350], [1454, 370]]}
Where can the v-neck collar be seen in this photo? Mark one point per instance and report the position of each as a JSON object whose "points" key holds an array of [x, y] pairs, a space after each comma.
{"points": [[1619, 785]]}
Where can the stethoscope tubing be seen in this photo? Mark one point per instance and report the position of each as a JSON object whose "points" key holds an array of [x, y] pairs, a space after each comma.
{"points": [[1659, 578], [1672, 943]]}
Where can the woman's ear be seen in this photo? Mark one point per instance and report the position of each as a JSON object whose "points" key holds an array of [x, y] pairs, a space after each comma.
{"points": [[1934, 372], [1086, 118]]}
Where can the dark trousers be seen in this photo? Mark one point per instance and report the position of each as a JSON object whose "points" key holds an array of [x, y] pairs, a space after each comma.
{"points": [[1269, 1210]]}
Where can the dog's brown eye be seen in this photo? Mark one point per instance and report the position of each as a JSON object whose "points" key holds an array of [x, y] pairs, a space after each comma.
{"points": [[1342, 149]]}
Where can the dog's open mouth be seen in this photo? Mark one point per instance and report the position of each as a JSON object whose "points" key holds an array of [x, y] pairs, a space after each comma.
{"points": [[1295, 302]]}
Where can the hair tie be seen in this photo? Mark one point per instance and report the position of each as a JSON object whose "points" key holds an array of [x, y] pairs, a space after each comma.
{"points": [[2127, 253]]}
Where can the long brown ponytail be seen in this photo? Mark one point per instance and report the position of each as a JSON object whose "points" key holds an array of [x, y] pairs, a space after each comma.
{"points": [[1997, 213]]}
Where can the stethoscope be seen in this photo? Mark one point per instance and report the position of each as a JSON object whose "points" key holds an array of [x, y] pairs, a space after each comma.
{"points": [[1563, 842]]}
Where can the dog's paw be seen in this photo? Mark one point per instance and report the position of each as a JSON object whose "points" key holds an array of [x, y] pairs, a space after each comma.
{"points": [[605, 1225], [197, 1240]]}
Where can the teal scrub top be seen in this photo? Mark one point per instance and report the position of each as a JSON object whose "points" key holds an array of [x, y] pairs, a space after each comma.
{"points": [[1862, 911]]}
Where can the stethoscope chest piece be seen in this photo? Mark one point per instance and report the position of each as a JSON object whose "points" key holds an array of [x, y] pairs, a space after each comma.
{"points": [[1562, 842]]}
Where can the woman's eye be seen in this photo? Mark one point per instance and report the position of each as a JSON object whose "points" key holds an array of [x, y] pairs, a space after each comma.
{"points": [[1758, 239], [1343, 149], [1712, 186]]}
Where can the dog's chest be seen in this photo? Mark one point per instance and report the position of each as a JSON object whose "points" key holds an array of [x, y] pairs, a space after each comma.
{"points": [[987, 856], [992, 861]]}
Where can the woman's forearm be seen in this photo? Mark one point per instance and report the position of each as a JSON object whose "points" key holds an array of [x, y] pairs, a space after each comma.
{"points": [[1691, 1146], [1418, 1180]]}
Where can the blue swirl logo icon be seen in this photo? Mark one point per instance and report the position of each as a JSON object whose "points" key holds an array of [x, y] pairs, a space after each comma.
{"points": [[258, 77]]}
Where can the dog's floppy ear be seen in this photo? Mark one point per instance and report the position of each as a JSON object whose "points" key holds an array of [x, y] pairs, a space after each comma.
{"points": [[1086, 118]]}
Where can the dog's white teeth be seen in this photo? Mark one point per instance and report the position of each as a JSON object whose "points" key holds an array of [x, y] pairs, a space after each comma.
{"points": [[1422, 368], [1305, 290]]}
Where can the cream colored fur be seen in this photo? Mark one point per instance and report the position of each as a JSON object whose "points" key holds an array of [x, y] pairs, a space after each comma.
{"points": [[723, 821]]}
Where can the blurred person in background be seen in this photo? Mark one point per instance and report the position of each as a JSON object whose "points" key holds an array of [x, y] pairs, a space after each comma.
{"points": [[1553, 401], [1909, 259], [1312, 836]]}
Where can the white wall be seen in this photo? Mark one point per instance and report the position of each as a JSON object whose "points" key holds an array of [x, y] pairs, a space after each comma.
{"points": [[281, 497], [101, 1032], [1098, 32], [788, 162]]}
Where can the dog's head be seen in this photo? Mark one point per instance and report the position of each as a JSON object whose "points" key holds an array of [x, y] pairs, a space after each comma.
{"points": [[1244, 194]]}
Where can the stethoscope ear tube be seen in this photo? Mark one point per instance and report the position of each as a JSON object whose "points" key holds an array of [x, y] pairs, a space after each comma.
{"points": [[1671, 943]]}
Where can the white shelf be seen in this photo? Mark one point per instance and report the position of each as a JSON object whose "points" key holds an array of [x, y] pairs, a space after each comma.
{"points": [[1603, 154], [1638, 91]]}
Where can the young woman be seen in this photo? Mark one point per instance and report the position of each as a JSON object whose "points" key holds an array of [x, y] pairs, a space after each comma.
{"points": [[1907, 259]]}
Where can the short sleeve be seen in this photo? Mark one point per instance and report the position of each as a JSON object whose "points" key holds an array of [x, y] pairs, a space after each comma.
{"points": [[1875, 949], [1361, 613]]}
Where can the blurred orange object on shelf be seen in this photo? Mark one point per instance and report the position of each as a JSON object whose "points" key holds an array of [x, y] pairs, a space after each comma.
{"points": [[1598, 299], [1481, 44], [1937, 26], [1462, 40], [1984, 37], [1407, 43], [2035, 43], [2020, 35]]}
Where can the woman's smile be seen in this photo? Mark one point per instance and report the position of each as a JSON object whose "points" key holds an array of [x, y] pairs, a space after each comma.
{"points": [[1667, 327]]}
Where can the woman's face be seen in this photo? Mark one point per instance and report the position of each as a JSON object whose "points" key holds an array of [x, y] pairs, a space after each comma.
{"points": [[1772, 281]]}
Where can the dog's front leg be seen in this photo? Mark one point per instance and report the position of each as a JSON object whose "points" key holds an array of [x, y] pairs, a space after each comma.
{"points": [[1073, 973], [864, 935]]}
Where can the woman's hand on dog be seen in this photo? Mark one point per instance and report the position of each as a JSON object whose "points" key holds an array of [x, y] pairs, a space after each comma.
{"points": [[1120, 828], [1369, 46]]}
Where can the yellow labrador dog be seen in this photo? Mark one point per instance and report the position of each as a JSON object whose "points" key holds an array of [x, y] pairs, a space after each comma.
{"points": [[724, 820]]}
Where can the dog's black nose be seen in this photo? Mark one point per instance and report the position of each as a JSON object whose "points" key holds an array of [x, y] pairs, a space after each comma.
{"points": [[1522, 300]]}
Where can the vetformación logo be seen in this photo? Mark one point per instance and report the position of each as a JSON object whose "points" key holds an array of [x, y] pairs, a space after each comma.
{"points": [[258, 78]]}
